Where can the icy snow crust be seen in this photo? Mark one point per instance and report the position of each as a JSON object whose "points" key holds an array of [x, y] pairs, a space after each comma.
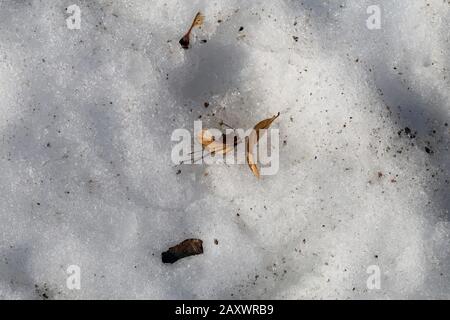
{"points": [[86, 118]]}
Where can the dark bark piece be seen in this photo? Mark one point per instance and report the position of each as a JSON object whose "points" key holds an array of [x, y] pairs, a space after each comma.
{"points": [[182, 250]]}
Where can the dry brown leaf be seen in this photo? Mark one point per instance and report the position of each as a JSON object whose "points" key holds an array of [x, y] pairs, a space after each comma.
{"points": [[218, 147], [182, 250], [204, 137], [212, 146], [198, 21], [253, 139], [208, 142], [265, 124], [253, 167]]}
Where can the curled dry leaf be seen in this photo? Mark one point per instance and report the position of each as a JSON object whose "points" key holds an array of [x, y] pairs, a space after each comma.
{"points": [[252, 164], [253, 139], [182, 250], [205, 138], [265, 124], [219, 148], [198, 21]]}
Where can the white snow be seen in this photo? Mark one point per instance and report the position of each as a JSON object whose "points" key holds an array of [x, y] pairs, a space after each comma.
{"points": [[86, 118]]}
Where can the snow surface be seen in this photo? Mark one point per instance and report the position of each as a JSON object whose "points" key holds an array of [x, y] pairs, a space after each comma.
{"points": [[86, 118]]}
